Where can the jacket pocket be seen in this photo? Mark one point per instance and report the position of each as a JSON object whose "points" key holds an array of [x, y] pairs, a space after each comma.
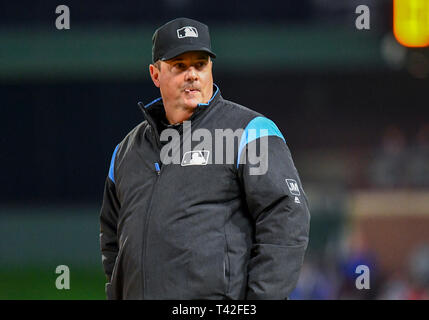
{"points": [[226, 271], [116, 277]]}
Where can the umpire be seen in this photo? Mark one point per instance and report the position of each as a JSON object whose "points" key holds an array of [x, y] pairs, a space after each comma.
{"points": [[199, 228]]}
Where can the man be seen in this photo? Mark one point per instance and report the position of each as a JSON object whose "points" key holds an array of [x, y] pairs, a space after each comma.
{"points": [[200, 227]]}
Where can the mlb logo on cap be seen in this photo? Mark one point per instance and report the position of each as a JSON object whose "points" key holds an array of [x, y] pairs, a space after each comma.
{"points": [[187, 31], [179, 36]]}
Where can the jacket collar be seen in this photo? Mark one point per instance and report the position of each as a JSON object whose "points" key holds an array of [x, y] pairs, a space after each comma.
{"points": [[154, 111]]}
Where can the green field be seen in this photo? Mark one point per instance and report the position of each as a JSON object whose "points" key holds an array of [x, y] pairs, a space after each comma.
{"points": [[35, 283]]}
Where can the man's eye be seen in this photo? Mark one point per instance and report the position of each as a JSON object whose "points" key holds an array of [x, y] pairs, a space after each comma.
{"points": [[180, 65]]}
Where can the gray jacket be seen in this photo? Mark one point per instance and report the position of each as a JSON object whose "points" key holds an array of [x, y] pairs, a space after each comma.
{"points": [[199, 229]]}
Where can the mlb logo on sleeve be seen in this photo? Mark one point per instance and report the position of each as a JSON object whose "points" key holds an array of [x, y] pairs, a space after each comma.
{"points": [[293, 187]]}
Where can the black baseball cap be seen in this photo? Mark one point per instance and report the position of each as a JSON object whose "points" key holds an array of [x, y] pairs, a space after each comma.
{"points": [[179, 36]]}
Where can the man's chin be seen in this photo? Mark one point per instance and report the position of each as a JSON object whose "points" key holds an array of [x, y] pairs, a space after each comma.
{"points": [[191, 104]]}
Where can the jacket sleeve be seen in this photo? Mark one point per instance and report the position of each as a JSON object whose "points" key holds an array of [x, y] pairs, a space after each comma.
{"points": [[279, 209], [108, 223]]}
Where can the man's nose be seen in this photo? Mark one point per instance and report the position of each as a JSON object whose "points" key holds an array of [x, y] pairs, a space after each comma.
{"points": [[191, 74]]}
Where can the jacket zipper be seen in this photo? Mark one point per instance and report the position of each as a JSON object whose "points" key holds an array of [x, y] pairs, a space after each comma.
{"points": [[158, 171], [145, 229], [152, 125]]}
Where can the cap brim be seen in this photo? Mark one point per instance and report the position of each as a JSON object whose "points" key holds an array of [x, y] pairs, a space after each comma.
{"points": [[182, 49]]}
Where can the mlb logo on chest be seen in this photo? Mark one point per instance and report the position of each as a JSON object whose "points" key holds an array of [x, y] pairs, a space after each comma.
{"points": [[197, 157], [187, 32]]}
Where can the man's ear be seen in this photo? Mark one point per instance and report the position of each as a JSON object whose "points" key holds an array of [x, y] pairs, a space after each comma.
{"points": [[154, 74]]}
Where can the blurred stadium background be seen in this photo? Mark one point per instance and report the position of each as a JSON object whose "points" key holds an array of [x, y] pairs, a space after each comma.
{"points": [[352, 104]]}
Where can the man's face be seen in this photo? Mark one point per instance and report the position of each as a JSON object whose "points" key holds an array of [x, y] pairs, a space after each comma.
{"points": [[184, 81]]}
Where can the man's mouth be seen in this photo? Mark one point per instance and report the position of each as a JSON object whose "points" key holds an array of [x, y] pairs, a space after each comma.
{"points": [[192, 90]]}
